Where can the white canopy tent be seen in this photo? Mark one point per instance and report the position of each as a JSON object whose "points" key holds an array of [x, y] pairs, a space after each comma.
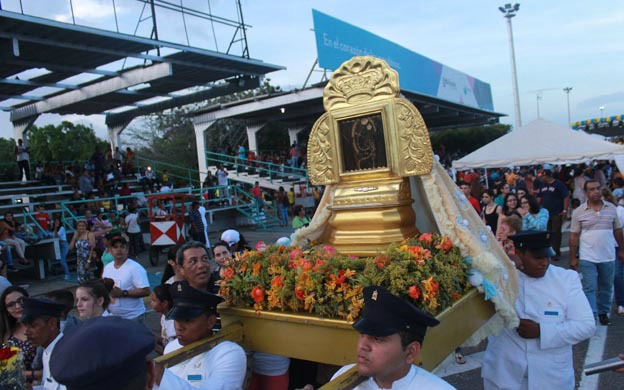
{"points": [[540, 142]]}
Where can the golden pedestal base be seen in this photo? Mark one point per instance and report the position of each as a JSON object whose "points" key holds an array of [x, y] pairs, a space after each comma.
{"points": [[366, 219], [335, 341]]}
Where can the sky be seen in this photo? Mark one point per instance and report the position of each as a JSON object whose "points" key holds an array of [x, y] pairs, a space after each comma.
{"points": [[558, 44]]}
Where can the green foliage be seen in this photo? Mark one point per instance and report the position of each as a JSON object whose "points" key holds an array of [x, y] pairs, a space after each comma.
{"points": [[466, 140], [8, 165], [64, 142], [167, 137]]}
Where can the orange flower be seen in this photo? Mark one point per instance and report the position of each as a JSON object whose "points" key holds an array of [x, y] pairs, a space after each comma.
{"points": [[414, 292], [445, 244], [381, 261], [419, 253], [277, 282], [257, 294], [256, 267], [229, 273], [426, 237], [431, 285], [306, 265]]}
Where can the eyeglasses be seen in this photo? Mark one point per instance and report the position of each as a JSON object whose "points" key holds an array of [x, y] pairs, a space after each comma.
{"points": [[524, 202]]}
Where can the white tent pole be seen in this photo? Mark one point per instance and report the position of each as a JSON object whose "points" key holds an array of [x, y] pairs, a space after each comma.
{"points": [[487, 181]]}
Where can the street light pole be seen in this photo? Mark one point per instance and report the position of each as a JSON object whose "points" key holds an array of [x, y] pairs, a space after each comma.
{"points": [[567, 91], [510, 11]]}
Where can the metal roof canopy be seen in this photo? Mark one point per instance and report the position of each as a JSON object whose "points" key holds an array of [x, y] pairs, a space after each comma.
{"points": [[66, 50], [304, 107]]}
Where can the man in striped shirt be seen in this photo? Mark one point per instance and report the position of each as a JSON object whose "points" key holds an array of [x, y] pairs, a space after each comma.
{"points": [[596, 230]]}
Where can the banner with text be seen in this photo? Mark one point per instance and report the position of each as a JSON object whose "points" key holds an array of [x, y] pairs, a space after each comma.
{"points": [[338, 41]]}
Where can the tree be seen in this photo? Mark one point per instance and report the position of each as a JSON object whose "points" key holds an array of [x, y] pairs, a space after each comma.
{"points": [[167, 137], [8, 165], [64, 142]]}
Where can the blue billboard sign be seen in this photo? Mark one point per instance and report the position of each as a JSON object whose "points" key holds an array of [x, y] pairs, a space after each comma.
{"points": [[338, 41]]}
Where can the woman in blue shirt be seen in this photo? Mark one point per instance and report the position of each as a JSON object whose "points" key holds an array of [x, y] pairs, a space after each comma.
{"points": [[534, 217]]}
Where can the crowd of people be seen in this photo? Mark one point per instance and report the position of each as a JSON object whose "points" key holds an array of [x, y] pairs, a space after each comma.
{"points": [[589, 197], [186, 300]]}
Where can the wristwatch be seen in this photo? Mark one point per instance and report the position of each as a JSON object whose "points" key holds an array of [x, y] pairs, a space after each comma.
{"points": [[124, 293]]}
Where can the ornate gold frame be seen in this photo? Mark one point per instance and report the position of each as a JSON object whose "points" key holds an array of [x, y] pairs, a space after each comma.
{"points": [[371, 207]]}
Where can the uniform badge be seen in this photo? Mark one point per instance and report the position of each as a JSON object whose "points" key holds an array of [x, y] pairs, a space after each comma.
{"points": [[179, 287], [374, 296]]}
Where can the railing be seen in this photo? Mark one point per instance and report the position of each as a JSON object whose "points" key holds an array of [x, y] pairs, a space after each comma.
{"points": [[264, 169], [245, 203], [186, 175]]}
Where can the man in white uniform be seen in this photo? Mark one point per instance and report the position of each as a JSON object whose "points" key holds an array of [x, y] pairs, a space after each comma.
{"points": [[391, 335], [131, 283], [42, 318], [554, 315], [223, 367]]}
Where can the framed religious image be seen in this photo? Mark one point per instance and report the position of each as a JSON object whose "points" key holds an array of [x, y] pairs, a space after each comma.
{"points": [[362, 143]]}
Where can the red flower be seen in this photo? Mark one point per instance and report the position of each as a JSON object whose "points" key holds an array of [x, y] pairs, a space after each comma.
{"points": [[445, 244], [300, 294], [229, 273], [426, 237], [257, 294], [318, 264], [7, 353], [414, 292], [341, 277]]}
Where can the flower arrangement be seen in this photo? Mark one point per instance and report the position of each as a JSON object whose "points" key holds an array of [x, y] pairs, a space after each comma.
{"points": [[11, 367], [427, 270]]}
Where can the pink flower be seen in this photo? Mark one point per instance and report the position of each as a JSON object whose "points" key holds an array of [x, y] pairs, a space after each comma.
{"points": [[261, 246], [426, 237]]}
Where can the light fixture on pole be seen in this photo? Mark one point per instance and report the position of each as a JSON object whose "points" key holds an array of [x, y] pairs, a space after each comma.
{"points": [[567, 91], [601, 108], [510, 11]]}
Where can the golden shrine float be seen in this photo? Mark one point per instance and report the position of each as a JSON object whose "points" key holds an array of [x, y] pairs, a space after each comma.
{"points": [[390, 216]]}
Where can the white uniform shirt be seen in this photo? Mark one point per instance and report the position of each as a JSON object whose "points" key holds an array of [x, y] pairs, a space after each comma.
{"points": [[167, 330], [131, 275], [221, 368], [557, 302], [47, 381], [416, 378]]}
